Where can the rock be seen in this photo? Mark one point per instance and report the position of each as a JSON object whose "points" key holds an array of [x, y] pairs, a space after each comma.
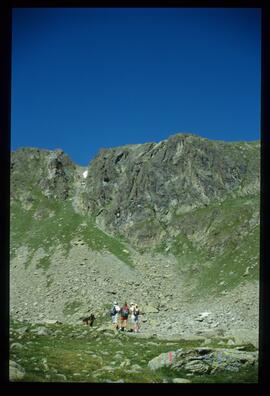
{"points": [[163, 360], [105, 329], [51, 321], [181, 381], [221, 343], [204, 314], [246, 347], [152, 343], [60, 377], [136, 367], [106, 368], [111, 335], [247, 271], [207, 341], [205, 360], [16, 372], [43, 331], [120, 381], [23, 330], [199, 319], [197, 367], [16, 345], [125, 363]]}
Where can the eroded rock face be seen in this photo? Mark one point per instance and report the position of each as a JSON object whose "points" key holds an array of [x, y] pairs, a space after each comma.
{"points": [[58, 180], [35, 170], [138, 189], [205, 360]]}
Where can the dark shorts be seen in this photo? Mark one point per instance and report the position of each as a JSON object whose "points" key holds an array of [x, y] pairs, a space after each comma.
{"points": [[124, 318]]}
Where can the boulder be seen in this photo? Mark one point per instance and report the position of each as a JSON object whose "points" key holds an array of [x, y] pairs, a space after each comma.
{"points": [[51, 321], [16, 372], [181, 381], [17, 346], [43, 331], [23, 330], [205, 360], [162, 360], [60, 377]]}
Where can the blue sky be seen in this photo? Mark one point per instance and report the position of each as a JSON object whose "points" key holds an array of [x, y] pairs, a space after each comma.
{"points": [[89, 78]]}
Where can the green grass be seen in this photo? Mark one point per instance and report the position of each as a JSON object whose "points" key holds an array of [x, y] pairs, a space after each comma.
{"points": [[227, 271], [216, 244], [86, 352], [44, 263], [59, 225]]}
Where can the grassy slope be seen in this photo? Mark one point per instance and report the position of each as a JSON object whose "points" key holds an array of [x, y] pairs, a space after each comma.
{"points": [[63, 226], [216, 244]]}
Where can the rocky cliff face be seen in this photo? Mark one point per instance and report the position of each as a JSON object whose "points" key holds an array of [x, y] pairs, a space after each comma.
{"points": [[138, 190], [35, 171], [165, 224]]}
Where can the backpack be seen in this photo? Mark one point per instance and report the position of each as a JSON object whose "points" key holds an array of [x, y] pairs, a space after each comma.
{"points": [[124, 312], [136, 312], [113, 311]]}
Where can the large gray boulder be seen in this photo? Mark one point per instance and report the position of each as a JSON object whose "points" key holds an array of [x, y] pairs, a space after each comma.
{"points": [[205, 360], [162, 360]]}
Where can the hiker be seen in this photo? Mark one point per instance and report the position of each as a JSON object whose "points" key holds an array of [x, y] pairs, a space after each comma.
{"points": [[135, 318], [124, 316], [131, 311], [114, 314]]}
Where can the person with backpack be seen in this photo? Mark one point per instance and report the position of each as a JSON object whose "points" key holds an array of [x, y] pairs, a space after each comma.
{"points": [[131, 310], [124, 312], [135, 317], [114, 314]]}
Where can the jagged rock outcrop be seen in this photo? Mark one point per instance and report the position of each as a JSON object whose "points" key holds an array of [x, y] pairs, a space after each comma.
{"points": [[138, 189], [35, 171]]}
